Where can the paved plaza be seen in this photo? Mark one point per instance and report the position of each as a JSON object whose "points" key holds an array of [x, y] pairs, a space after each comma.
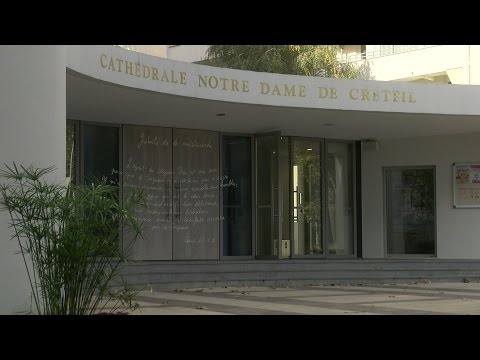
{"points": [[383, 299]]}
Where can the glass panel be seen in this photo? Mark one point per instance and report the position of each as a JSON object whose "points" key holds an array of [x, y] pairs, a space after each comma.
{"points": [[340, 239], [237, 196], [101, 154], [285, 196], [71, 155], [410, 211], [147, 165], [267, 195], [195, 198], [307, 209]]}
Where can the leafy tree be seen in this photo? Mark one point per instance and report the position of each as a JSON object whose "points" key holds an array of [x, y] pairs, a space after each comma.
{"points": [[310, 60]]}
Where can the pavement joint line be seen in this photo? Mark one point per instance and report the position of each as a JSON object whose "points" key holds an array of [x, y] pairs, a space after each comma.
{"points": [[299, 309]]}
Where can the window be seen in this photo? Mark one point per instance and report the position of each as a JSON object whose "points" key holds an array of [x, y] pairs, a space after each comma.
{"points": [[237, 195], [101, 153], [72, 152], [410, 210]]}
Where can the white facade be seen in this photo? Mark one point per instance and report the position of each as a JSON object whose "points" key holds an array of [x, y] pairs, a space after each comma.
{"points": [[457, 229], [413, 123]]}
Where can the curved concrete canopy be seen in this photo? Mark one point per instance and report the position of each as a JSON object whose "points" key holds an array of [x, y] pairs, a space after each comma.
{"points": [[110, 84]]}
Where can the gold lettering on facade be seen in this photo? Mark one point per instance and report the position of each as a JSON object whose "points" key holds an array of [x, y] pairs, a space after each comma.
{"points": [[119, 62], [101, 61], [350, 94], [289, 91], [411, 98], [164, 76], [322, 92], [137, 70], [173, 79], [333, 93], [111, 66], [224, 81], [276, 90], [235, 85], [213, 82], [264, 88], [128, 67], [285, 90], [301, 91], [155, 73], [396, 96], [385, 92], [146, 71], [365, 95], [376, 95], [202, 80]]}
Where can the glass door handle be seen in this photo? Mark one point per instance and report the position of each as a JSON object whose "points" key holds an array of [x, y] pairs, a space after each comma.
{"points": [[179, 200], [167, 195], [176, 205]]}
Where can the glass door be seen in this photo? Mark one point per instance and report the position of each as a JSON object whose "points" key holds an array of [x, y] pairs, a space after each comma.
{"points": [[147, 165], [339, 212], [195, 196], [307, 197], [268, 198]]}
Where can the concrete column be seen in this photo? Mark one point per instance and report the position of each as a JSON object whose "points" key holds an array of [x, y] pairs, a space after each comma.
{"points": [[32, 131]]}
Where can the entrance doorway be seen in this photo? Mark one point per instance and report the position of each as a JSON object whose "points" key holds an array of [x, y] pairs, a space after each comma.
{"points": [[212, 196], [307, 196], [322, 198], [178, 170]]}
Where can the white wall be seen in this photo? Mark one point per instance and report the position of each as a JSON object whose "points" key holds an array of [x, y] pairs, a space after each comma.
{"points": [[187, 53], [154, 50], [474, 64], [32, 118], [458, 230], [109, 63]]}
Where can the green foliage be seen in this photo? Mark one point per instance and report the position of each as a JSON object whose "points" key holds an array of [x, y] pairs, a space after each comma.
{"points": [[69, 238], [311, 60]]}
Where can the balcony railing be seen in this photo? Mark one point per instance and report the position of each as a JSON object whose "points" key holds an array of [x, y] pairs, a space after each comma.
{"points": [[383, 51]]}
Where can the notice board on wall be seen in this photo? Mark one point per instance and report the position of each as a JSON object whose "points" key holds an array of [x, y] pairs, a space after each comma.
{"points": [[466, 185]]}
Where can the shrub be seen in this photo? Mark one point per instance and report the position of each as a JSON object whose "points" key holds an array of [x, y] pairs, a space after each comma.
{"points": [[70, 240]]}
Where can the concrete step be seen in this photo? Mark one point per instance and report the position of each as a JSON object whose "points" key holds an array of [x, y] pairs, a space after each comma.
{"points": [[164, 274]]}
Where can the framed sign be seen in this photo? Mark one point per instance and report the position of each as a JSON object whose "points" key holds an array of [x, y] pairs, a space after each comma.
{"points": [[466, 185]]}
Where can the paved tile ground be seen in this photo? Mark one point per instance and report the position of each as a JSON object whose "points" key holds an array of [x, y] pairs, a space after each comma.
{"points": [[396, 299]]}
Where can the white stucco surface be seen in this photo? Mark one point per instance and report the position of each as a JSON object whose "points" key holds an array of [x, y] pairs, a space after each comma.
{"points": [[108, 63], [32, 117], [458, 230]]}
